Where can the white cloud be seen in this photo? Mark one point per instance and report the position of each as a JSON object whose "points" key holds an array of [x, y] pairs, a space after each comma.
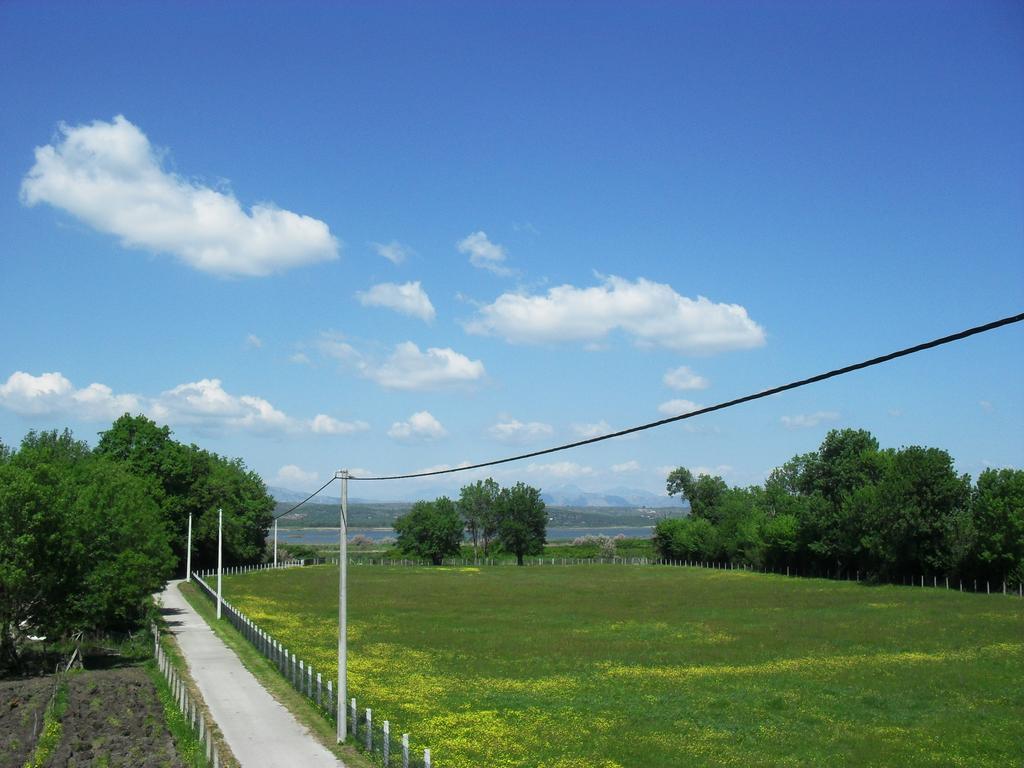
{"points": [[985, 406], [514, 431], [299, 358], [205, 404], [394, 251], [407, 298], [322, 424], [592, 430], [53, 393], [808, 420], [684, 378], [420, 426], [409, 368], [252, 341], [483, 253], [628, 466], [678, 407], [652, 313], [334, 345], [560, 469], [293, 476], [109, 176]]}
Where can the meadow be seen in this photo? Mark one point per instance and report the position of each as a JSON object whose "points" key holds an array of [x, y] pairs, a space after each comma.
{"points": [[567, 667]]}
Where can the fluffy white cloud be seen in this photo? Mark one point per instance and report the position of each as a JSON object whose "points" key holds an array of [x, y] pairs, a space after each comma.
{"points": [[252, 341], [628, 466], [407, 298], [678, 407], [205, 404], [109, 176], [293, 476], [683, 378], [53, 393], [409, 368], [652, 313], [322, 424], [514, 431], [483, 253], [420, 426], [808, 420], [394, 251], [560, 469]]}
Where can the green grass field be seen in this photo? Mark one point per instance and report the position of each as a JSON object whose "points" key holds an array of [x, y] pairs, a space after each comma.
{"points": [[567, 667]]}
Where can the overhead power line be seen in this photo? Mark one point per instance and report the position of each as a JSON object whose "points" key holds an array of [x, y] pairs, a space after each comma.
{"points": [[699, 412], [721, 406]]}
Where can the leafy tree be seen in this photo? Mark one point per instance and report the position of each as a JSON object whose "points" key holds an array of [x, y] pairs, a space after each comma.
{"points": [[998, 515], [704, 493], [187, 480], [688, 538], [477, 505], [780, 539], [522, 520], [431, 529], [912, 513]]}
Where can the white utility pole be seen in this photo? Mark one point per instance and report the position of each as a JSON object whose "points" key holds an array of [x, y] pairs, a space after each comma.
{"points": [[220, 552], [188, 552], [275, 542], [342, 696]]}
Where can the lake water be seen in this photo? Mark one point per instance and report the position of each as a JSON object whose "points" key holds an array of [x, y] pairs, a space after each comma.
{"points": [[330, 535]]}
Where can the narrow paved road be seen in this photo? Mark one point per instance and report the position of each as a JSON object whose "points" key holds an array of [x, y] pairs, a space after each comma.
{"points": [[259, 730]]}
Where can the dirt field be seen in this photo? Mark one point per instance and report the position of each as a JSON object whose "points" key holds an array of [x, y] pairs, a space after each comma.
{"points": [[22, 703], [114, 718]]}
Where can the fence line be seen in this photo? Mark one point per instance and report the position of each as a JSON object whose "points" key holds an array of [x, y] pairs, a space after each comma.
{"points": [[377, 741], [936, 581], [188, 707]]}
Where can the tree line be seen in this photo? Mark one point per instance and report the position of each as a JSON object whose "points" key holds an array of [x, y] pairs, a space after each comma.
{"points": [[491, 516], [88, 534], [851, 507]]}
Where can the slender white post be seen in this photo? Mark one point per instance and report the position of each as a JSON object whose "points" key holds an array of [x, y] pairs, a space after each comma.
{"points": [[188, 551], [275, 543], [220, 552], [342, 600]]}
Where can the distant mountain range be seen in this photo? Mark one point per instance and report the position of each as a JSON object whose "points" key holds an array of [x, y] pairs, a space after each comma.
{"points": [[559, 496]]}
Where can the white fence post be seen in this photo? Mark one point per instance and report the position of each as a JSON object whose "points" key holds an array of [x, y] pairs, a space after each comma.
{"points": [[369, 730], [426, 758], [405, 750], [387, 744]]}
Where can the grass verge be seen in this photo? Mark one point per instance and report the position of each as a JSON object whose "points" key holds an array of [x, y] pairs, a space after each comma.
{"points": [[261, 668], [186, 741], [52, 728]]}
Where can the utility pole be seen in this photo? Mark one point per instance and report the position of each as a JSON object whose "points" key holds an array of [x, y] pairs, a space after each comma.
{"points": [[220, 552], [342, 697], [275, 542], [188, 552]]}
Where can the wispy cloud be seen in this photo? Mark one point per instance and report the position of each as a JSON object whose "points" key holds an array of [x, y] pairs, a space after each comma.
{"points": [[322, 424], [678, 407], [484, 254], [809, 420], [409, 368], [109, 176], [510, 430], [684, 378], [406, 298], [395, 252]]}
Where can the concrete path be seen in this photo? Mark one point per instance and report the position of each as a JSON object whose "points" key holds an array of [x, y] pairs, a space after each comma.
{"points": [[260, 732]]}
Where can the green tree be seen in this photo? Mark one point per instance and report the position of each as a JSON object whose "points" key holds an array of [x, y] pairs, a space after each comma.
{"points": [[688, 538], [477, 505], [997, 509], [431, 529], [187, 480], [522, 520], [704, 493]]}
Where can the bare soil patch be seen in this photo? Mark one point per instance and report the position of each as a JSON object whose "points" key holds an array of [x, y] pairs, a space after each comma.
{"points": [[22, 706], [114, 718]]}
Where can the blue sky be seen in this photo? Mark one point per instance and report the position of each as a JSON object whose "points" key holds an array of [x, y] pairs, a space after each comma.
{"points": [[405, 236]]}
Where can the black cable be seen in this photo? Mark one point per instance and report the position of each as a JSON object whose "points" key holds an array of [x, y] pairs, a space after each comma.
{"points": [[314, 493], [720, 406]]}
